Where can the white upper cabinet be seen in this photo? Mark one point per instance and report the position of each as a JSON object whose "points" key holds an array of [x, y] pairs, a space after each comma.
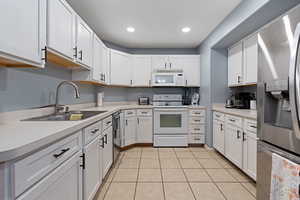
{"points": [[176, 62], [250, 60], [191, 70], [61, 28], [105, 75], [97, 68], [23, 32], [159, 62], [84, 42], [141, 72], [235, 65], [120, 68]]}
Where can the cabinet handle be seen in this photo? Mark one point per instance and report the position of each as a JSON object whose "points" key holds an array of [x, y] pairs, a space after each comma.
{"points": [[232, 120], [138, 120], [197, 120], [238, 136], [239, 77], [105, 136], [107, 123], [61, 153], [221, 127], [83, 161], [252, 126], [170, 65], [102, 142], [45, 55], [186, 82], [75, 52], [197, 129], [81, 54], [104, 77], [165, 65], [130, 82], [144, 112], [126, 122], [95, 131], [149, 82], [244, 136]]}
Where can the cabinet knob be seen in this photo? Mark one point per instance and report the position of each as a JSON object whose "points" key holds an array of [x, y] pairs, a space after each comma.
{"points": [[80, 54]]}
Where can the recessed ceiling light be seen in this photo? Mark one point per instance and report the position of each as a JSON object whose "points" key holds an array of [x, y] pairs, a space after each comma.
{"points": [[130, 29], [186, 29]]}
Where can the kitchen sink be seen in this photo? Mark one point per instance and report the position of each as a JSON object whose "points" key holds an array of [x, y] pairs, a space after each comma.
{"points": [[66, 116]]}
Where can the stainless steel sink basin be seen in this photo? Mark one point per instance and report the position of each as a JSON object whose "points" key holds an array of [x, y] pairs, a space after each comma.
{"points": [[66, 116]]}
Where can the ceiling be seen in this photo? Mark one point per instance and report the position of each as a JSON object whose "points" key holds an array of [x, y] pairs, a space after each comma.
{"points": [[157, 23]]}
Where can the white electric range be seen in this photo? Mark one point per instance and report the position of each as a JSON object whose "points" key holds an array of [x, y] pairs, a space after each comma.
{"points": [[170, 121]]}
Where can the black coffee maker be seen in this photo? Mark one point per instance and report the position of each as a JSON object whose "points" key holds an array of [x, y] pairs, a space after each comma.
{"points": [[240, 100]]}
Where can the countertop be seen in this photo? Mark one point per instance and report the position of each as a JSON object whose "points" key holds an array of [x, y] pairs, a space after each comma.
{"points": [[23, 137], [245, 113]]}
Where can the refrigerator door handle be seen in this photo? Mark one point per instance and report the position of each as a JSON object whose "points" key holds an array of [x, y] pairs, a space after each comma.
{"points": [[294, 83]]}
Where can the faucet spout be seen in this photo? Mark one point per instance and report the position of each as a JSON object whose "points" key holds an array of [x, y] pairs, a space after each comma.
{"points": [[77, 94]]}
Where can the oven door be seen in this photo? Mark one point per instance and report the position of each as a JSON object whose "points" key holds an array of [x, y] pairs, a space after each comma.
{"points": [[170, 121], [164, 79]]}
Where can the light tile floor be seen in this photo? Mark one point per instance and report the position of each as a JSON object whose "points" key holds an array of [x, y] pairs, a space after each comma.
{"points": [[175, 174]]}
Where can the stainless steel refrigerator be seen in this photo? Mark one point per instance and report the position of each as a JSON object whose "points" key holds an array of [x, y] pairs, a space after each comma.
{"points": [[278, 96]]}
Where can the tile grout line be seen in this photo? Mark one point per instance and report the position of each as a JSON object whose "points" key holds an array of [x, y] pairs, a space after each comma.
{"points": [[138, 173], [186, 175], [161, 174]]}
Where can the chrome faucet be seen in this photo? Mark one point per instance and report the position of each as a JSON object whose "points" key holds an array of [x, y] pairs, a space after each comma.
{"points": [[77, 95]]}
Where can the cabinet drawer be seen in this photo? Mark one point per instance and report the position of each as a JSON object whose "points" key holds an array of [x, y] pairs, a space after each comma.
{"points": [[197, 120], [107, 122], [219, 116], [34, 167], [197, 112], [250, 125], [196, 139], [130, 113], [92, 132], [144, 112], [236, 121], [197, 128]]}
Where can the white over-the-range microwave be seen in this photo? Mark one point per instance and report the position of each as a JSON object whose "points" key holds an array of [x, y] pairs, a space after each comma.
{"points": [[168, 78]]}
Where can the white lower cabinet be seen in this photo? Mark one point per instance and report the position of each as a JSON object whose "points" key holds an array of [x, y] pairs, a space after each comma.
{"points": [[107, 152], [236, 139], [250, 154], [91, 169], [234, 145], [130, 130], [219, 136], [144, 130], [65, 182]]}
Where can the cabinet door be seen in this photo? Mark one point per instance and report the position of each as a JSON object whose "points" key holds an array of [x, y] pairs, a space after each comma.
{"points": [[144, 130], [235, 65], [97, 59], [84, 43], [120, 69], [176, 62], [250, 60], [234, 145], [23, 30], [61, 28], [65, 182], [106, 64], [92, 169], [160, 62], [250, 154], [108, 150], [191, 70], [130, 130], [219, 136], [141, 71]]}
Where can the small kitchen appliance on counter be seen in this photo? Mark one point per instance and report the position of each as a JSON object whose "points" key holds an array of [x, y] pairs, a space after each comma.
{"points": [[170, 121], [144, 101], [195, 99], [240, 100]]}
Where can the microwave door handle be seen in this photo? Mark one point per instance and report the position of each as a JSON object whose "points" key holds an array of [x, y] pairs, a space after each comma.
{"points": [[294, 83]]}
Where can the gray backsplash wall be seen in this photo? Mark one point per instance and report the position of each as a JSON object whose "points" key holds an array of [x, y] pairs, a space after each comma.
{"points": [[29, 88]]}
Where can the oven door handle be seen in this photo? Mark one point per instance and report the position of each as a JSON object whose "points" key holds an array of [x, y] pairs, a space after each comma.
{"points": [[169, 110]]}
